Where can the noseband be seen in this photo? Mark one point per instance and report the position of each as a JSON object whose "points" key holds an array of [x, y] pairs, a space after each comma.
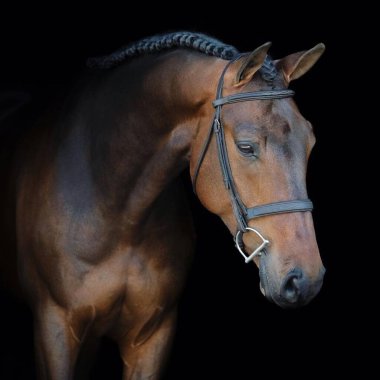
{"points": [[243, 214]]}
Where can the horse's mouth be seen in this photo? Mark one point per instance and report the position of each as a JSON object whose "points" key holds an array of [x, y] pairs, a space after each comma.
{"points": [[264, 282], [262, 289]]}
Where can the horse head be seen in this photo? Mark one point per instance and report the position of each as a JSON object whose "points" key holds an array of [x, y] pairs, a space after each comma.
{"points": [[259, 157]]}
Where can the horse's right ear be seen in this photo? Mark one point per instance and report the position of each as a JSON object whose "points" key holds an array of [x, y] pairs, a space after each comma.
{"points": [[251, 63]]}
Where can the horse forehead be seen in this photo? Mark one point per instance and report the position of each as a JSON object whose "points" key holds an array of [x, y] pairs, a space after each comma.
{"points": [[278, 116]]}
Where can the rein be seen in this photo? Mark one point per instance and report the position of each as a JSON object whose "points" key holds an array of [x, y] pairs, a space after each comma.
{"points": [[243, 214]]}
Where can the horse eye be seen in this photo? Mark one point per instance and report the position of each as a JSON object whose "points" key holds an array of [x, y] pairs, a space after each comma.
{"points": [[247, 149]]}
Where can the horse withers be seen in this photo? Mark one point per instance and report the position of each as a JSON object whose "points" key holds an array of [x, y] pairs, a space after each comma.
{"points": [[103, 229]]}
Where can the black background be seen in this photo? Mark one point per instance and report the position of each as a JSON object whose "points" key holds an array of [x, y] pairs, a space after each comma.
{"points": [[225, 327]]}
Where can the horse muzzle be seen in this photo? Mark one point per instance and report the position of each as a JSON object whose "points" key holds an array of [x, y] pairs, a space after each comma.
{"points": [[295, 289]]}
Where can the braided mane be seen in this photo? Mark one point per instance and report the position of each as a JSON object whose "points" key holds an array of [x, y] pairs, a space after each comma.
{"points": [[195, 41]]}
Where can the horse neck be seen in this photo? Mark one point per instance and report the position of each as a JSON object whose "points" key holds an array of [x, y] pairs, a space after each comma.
{"points": [[143, 120]]}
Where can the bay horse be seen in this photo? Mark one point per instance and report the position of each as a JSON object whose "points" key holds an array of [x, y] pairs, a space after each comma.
{"points": [[102, 225]]}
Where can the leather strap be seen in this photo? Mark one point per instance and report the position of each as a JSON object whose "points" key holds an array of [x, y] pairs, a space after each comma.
{"points": [[257, 95], [237, 205], [279, 208]]}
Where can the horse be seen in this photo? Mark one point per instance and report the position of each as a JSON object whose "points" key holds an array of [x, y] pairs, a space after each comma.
{"points": [[102, 225]]}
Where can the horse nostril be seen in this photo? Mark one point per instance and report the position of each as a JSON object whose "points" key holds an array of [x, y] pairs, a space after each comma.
{"points": [[291, 289], [291, 286]]}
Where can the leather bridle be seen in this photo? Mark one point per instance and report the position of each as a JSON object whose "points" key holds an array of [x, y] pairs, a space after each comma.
{"points": [[243, 214]]}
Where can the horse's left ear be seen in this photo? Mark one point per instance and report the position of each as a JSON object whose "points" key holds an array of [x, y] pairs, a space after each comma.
{"points": [[295, 65]]}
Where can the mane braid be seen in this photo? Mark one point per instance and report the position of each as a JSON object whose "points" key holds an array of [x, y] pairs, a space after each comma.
{"points": [[268, 70], [196, 41]]}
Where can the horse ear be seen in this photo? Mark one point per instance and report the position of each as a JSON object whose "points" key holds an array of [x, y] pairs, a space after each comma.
{"points": [[295, 65], [251, 64]]}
